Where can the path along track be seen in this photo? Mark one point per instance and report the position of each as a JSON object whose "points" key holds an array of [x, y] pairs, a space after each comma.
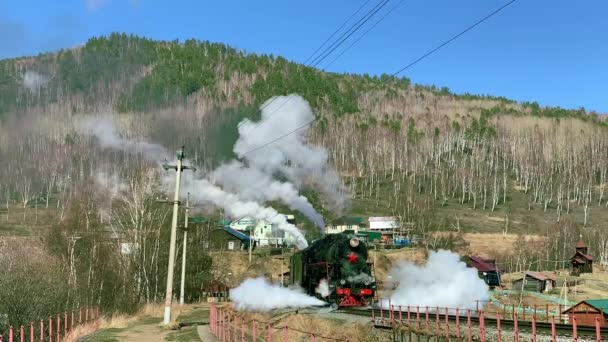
{"points": [[383, 320]]}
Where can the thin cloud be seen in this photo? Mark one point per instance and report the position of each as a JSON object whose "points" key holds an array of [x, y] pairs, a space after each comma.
{"points": [[94, 5]]}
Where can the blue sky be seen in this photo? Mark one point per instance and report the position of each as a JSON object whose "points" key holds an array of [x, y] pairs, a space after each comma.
{"points": [[551, 51]]}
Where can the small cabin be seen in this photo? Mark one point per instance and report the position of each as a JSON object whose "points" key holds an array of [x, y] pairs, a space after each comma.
{"points": [[581, 262], [535, 282], [588, 311], [226, 238], [486, 268]]}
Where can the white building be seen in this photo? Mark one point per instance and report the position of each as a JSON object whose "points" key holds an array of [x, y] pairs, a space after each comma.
{"points": [[264, 232], [384, 224]]}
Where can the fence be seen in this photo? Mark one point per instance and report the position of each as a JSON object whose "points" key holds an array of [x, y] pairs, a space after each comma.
{"points": [[227, 326], [461, 324], [436, 321], [56, 328]]}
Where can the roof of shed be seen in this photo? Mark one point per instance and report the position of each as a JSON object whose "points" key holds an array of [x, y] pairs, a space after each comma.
{"points": [[237, 234], [482, 265], [581, 257], [581, 244], [538, 275], [600, 304]]}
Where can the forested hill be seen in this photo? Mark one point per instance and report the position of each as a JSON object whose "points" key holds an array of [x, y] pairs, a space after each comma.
{"points": [[435, 159]]}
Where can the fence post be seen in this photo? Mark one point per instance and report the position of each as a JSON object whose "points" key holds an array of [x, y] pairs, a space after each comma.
{"points": [[58, 328], [79, 316], [65, 323], [86, 315], [10, 334], [285, 334], [515, 327], [498, 332], [447, 325], [390, 310], [51, 329], [437, 321], [312, 337], [457, 324], [533, 328], [426, 319], [574, 332], [598, 330], [400, 316], [408, 315], [31, 331], [553, 334], [469, 324], [253, 332], [269, 339], [418, 316], [22, 334], [482, 327], [41, 331]]}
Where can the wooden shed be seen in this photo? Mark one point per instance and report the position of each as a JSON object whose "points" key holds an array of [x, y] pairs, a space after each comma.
{"points": [[587, 311], [535, 282], [486, 268], [227, 238], [581, 262]]}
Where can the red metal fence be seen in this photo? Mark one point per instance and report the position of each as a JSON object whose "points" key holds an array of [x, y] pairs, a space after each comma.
{"points": [[55, 329], [449, 322]]}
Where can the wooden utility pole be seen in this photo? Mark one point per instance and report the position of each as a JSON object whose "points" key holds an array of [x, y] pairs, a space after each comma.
{"points": [[181, 294], [169, 291]]}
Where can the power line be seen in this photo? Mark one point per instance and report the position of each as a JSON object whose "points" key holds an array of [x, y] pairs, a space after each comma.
{"points": [[356, 26], [337, 43], [365, 33], [336, 31], [399, 71], [453, 38]]}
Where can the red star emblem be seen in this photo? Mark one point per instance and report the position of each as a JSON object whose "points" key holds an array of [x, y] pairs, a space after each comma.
{"points": [[352, 257]]}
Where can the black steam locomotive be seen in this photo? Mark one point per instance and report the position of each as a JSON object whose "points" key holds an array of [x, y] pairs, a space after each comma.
{"points": [[336, 270]]}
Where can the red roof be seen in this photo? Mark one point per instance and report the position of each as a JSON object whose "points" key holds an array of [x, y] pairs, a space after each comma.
{"points": [[538, 275], [482, 265], [581, 244], [582, 258]]}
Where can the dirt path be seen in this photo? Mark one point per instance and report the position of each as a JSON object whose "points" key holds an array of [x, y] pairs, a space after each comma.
{"points": [[143, 333]]}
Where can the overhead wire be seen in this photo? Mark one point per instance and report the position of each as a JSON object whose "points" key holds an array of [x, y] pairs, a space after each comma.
{"points": [[365, 33], [400, 70], [337, 43]]}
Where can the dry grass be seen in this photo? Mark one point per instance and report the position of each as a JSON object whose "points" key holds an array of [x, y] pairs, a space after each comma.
{"points": [[302, 325]]}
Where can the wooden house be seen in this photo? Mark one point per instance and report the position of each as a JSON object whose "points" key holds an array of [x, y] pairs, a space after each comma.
{"points": [[587, 311], [486, 268], [226, 238], [535, 282], [581, 262]]}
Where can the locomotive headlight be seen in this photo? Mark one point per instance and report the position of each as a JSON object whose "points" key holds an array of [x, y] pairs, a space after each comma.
{"points": [[342, 281], [366, 282], [354, 242]]}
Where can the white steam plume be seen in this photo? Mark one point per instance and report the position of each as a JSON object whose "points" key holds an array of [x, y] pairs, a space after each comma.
{"points": [[292, 156], [103, 128], [255, 185], [33, 80], [444, 281], [360, 278], [236, 207], [323, 288], [259, 295]]}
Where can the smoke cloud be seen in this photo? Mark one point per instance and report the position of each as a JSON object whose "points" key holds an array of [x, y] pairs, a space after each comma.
{"points": [[444, 281], [104, 130], [34, 81], [292, 156], [259, 295]]}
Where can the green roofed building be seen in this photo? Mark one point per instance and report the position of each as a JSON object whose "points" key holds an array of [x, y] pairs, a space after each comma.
{"points": [[345, 223], [589, 311]]}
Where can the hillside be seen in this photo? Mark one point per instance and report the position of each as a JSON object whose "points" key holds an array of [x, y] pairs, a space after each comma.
{"points": [[438, 160]]}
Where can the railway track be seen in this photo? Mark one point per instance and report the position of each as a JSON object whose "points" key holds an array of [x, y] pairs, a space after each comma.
{"points": [[561, 329]]}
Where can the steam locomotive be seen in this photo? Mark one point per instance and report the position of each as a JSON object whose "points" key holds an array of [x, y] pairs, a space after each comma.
{"points": [[335, 269]]}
